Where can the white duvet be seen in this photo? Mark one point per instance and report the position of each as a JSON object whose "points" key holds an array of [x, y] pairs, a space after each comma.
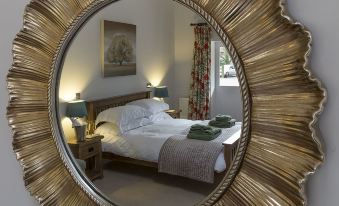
{"points": [[145, 143]]}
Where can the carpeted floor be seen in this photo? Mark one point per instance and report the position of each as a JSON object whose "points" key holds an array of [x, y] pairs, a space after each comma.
{"points": [[130, 185]]}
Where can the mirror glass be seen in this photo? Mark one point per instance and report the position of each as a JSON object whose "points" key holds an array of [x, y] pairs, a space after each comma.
{"points": [[150, 104]]}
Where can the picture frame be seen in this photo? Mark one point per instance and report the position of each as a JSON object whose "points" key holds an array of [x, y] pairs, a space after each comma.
{"points": [[118, 49]]}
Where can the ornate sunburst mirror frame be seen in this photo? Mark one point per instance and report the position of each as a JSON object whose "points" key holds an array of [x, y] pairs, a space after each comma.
{"points": [[281, 101]]}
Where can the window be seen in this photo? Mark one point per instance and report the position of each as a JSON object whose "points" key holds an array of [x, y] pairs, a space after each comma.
{"points": [[224, 67]]}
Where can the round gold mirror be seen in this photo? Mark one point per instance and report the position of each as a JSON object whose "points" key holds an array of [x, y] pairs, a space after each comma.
{"points": [[170, 150], [267, 53]]}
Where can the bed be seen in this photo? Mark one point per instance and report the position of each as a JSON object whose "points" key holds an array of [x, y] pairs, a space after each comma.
{"points": [[144, 145]]}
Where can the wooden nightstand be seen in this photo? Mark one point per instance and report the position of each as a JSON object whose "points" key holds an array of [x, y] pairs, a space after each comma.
{"points": [[174, 113], [89, 151]]}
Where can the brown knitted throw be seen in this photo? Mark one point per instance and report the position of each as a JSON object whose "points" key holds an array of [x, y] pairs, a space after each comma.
{"points": [[194, 159]]}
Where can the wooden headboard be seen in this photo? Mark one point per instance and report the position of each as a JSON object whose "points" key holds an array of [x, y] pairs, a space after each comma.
{"points": [[96, 106]]}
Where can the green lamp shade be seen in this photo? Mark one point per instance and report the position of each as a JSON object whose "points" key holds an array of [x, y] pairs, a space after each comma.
{"points": [[161, 92], [76, 109]]}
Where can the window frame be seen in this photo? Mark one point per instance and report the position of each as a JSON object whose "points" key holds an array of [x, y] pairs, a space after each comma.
{"points": [[216, 65]]}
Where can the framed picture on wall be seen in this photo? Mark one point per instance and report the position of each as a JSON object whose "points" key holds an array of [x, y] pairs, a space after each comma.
{"points": [[118, 49]]}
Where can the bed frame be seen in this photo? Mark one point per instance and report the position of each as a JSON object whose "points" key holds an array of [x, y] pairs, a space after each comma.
{"points": [[97, 106]]}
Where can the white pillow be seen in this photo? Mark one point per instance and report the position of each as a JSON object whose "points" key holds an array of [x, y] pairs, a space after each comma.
{"points": [[113, 129], [124, 117], [114, 141], [152, 105], [135, 124], [107, 128], [160, 117]]}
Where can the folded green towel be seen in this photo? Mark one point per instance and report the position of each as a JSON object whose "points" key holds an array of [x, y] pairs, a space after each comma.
{"points": [[204, 137], [211, 131], [200, 127], [223, 118], [215, 123], [218, 124]]}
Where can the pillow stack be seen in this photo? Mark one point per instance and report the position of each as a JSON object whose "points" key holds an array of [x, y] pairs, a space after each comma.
{"points": [[133, 115], [151, 105], [155, 107], [125, 117]]}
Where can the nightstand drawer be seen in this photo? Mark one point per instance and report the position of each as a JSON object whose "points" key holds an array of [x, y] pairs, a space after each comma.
{"points": [[89, 150]]}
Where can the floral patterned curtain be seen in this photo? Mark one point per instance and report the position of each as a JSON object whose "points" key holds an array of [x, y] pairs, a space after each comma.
{"points": [[199, 100]]}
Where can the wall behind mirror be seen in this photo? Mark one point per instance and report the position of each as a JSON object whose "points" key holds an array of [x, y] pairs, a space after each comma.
{"points": [[320, 187]]}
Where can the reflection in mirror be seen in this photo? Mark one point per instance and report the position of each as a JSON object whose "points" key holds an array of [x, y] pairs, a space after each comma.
{"points": [[149, 104]]}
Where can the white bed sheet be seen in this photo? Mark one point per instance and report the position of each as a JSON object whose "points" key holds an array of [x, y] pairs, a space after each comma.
{"points": [[145, 143]]}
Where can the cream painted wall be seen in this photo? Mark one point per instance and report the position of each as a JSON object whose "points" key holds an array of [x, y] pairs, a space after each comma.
{"points": [[183, 41], [12, 189], [155, 54], [225, 100], [319, 16]]}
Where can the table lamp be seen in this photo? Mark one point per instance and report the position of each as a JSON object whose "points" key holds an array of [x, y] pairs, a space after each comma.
{"points": [[77, 109], [161, 92]]}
